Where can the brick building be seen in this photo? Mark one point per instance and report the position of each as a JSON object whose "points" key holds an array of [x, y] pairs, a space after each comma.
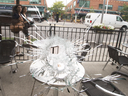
{"points": [[73, 7], [30, 4]]}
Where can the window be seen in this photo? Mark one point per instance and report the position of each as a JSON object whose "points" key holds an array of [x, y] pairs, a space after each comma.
{"points": [[74, 4], [8, 7], [44, 2], [23, 0], [85, 3], [120, 7], [2, 6], [100, 6], [109, 6], [118, 18], [68, 16], [7, 1], [6, 12], [88, 16], [35, 1], [71, 7]]}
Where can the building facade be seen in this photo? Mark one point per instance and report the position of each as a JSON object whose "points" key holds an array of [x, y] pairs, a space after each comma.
{"points": [[41, 5], [82, 7]]}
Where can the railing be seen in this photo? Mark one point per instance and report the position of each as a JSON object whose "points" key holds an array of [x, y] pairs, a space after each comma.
{"points": [[77, 35]]}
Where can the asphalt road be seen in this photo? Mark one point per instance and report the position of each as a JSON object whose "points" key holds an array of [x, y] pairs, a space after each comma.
{"points": [[62, 24]]}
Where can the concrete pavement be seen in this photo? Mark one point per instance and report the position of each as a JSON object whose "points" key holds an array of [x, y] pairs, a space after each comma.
{"points": [[22, 86]]}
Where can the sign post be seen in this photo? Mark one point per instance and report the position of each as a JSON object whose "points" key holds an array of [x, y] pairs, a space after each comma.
{"points": [[75, 18], [103, 11]]}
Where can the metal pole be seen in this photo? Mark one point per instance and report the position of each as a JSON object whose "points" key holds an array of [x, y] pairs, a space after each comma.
{"points": [[66, 14], [50, 30], [54, 29], [103, 11], [0, 33], [17, 2]]}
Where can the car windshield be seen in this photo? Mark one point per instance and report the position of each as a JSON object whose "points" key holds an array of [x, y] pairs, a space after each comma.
{"points": [[118, 18], [6, 12]]}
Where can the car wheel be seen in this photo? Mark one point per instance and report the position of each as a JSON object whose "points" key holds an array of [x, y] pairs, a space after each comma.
{"points": [[123, 28]]}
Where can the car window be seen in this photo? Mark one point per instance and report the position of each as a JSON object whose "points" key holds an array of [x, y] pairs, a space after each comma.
{"points": [[88, 16], [118, 18]]}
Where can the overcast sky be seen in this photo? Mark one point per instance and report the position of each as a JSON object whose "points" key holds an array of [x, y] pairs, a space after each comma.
{"points": [[51, 2]]}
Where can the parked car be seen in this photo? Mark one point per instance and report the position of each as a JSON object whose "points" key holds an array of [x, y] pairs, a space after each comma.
{"points": [[8, 14], [108, 19], [31, 19], [5, 17]]}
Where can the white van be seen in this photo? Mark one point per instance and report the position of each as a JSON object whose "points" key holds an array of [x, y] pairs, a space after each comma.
{"points": [[108, 19]]}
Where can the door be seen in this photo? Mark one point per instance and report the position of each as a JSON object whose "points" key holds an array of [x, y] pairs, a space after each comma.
{"points": [[118, 22]]}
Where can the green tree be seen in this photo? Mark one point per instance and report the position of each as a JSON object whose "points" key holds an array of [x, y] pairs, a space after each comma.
{"points": [[57, 7], [92, 10], [124, 12]]}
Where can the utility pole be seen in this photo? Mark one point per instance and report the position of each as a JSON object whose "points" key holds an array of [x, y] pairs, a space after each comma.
{"points": [[17, 2], [103, 11]]}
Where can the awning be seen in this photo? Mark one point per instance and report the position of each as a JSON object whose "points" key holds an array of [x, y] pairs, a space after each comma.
{"points": [[123, 0], [33, 9]]}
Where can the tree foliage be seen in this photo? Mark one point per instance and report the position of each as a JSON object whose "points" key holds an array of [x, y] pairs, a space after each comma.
{"points": [[57, 7], [124, 12]]}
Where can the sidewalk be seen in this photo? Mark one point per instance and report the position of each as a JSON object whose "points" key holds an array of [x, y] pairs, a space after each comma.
{"points": [[22, 86]]}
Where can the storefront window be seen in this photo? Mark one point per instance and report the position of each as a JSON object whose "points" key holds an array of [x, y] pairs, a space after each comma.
{"points": [[68, 16], [85, 3], [2, 6], [7, 7]]}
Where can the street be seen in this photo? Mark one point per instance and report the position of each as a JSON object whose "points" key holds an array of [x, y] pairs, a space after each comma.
{"points": [[61, 24]]}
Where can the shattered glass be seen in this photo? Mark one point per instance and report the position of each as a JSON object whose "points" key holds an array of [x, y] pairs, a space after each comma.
{"points": [[58, 68]]}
